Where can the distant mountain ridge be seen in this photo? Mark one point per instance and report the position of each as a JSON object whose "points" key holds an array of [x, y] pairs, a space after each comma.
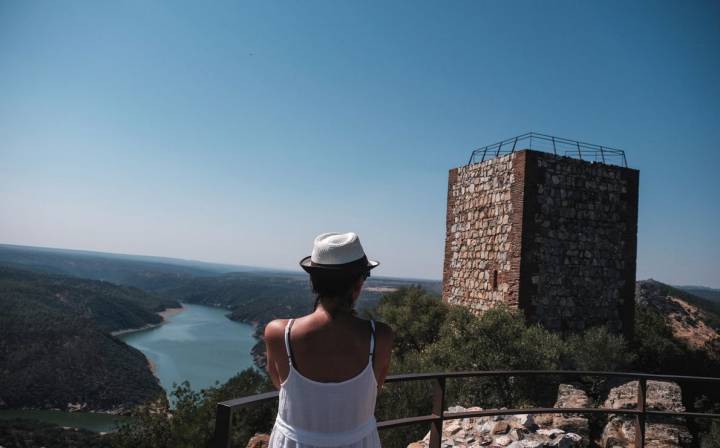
{"points": [[704, 292], [142, 271]]}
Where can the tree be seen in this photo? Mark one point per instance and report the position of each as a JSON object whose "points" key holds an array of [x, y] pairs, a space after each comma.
{"points": [[497, 340], [415, 317], [657, 350], [192, 421]]}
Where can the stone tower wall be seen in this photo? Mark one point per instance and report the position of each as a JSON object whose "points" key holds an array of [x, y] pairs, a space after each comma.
{"points": [[578, 255], [552, 236], [481, 266]]}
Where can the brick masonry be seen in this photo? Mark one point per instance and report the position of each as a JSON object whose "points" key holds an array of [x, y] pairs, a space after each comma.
{"points": [[553, 236]]}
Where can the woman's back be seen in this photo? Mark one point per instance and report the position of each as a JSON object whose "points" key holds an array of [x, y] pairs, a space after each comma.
{"points": [[321, 413], [327, 350]]}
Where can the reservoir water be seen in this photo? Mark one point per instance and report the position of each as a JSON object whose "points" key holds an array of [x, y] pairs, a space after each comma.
{"points": [[92, 421], [200, 345]]}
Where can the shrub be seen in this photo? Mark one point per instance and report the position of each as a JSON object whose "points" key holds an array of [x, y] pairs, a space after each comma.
{"points": [[415, 317], [192, 421]]}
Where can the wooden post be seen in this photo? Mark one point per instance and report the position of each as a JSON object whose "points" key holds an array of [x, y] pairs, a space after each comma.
{"points": [[640, 418], [438, 408]]}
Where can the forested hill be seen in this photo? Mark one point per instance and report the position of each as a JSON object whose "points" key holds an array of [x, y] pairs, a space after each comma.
{"points": [[703, 292], [110, 306], [54, 355], [145, 272]]}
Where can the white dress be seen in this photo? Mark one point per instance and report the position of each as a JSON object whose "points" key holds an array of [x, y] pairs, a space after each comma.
{"points": [[312, 414]]}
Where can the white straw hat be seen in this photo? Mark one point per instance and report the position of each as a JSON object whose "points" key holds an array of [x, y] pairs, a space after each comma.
{"points": [[337, 251]]}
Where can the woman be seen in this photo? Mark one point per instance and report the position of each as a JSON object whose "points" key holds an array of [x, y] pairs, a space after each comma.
{"points": [[330, 364]]}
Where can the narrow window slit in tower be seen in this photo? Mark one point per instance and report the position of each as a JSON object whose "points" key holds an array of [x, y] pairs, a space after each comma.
{"points": [[495, 280]]}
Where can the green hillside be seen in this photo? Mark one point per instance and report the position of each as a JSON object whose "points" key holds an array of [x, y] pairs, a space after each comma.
{"points": [[55, 350], [704, 292], [50, 359], [707, 305], [110, 306]]}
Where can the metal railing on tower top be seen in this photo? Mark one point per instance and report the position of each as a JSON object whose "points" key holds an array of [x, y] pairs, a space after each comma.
{"points": [[223, 418], [556, 145]]}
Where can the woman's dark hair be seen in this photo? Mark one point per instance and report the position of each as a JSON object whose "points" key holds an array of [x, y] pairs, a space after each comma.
{"points": [[335, 288]]}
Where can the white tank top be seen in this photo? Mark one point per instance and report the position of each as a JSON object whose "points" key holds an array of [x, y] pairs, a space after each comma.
{"points": [[314, 414]]}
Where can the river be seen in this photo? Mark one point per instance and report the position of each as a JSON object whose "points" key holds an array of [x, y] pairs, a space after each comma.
{"points": [[199, 344]]}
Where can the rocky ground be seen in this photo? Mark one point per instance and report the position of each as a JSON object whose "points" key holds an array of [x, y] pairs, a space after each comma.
{"points": [[670, 432], [259, 441], [513, 431], [566, 430], [688, 322]]}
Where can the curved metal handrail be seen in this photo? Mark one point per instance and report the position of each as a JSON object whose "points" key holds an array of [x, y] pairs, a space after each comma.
{"points": [[223, 419]]}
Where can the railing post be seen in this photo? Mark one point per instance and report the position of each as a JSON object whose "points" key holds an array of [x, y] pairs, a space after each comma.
{"points": [[640, 418], [438, 408], [223, 422]]}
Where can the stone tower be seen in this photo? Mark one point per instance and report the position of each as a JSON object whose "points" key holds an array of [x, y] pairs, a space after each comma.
{"points": [[551, 233]]}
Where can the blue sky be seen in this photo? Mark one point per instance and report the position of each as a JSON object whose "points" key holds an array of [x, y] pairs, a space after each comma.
{"points": [[236, 131]]}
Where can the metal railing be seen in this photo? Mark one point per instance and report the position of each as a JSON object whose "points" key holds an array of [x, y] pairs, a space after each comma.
{"points": [[548, 143], [223, 419]]}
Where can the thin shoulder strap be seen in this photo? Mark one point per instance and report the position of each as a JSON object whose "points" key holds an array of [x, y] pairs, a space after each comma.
{"points": [[372, 341], [288, 349]]}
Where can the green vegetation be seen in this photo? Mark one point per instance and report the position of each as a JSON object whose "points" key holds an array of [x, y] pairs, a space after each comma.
{"points": [[453, 339], [435, 337], [31, 434], [149, 273], [410, 312], [193, 419], [703, 292], [252, 297], [54, 346], [432, 336], [706, 300], [109, 306], [711, 438], [258, 298], [261, 297]]}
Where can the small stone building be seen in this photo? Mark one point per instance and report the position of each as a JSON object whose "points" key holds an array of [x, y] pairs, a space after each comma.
{"points": [[551, 233]]}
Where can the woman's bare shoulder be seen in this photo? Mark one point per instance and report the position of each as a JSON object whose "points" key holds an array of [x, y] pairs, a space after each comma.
{"points": [[275, 329]]}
